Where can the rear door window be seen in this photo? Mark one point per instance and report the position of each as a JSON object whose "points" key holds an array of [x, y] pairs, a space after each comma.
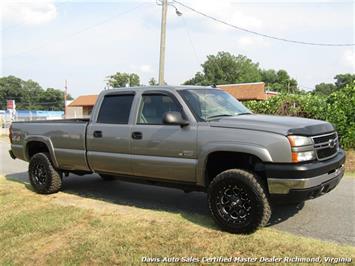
{"points": [[115, 109]]}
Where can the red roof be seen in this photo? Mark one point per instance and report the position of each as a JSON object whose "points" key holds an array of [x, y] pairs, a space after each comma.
{"points": [[246, 91], [84, 100], [241, 91]]}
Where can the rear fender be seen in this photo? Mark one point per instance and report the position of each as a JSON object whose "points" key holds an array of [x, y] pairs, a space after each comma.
{"points": [[47, 141]]}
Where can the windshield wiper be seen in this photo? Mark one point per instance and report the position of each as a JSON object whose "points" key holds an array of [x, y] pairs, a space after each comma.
{"points": [[246, 113], [216, 116]]}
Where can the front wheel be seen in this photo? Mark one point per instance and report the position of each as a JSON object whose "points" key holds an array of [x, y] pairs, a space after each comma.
{"points": [[238, 201], [43, 177]]}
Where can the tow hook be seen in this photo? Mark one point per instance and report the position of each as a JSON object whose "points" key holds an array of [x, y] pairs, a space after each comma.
{"points": [[321, 190]]}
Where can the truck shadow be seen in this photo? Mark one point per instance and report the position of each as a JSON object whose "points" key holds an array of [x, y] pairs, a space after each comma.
{"points": [[192, 206]]}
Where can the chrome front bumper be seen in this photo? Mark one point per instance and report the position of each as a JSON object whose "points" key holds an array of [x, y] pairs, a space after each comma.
{"points": [[283, 186]]}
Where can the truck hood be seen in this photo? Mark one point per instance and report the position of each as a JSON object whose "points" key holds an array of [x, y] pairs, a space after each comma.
{"points": [[284, 125]]}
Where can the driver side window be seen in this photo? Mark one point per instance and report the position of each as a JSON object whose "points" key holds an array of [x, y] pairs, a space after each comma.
{"points": [[153, 108]]}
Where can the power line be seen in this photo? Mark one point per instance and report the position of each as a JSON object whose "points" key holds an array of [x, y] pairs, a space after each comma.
{"points": [[191, 42], [262, 34]]}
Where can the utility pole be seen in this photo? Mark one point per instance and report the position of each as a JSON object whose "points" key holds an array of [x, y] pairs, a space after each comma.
{"points": [[65, 98], [162, 41]]}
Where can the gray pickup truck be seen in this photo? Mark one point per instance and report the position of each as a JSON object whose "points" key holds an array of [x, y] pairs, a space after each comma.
{"points": [[193, 138]]}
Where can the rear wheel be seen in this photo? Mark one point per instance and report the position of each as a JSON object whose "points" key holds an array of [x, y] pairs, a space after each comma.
{"points": [[43, 177], [238, 201]]}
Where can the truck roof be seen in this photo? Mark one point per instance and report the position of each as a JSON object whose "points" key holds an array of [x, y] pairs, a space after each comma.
{"points": [[164, 87]]}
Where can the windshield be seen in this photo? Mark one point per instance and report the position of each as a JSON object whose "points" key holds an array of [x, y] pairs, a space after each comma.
{"points": [[208, 104]]}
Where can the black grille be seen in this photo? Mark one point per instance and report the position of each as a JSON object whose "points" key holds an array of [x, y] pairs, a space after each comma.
{"points": [[326, 146], [326, 152], [323, 139]]}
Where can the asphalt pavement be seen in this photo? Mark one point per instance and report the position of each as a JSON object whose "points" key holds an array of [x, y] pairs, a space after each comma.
{"points": [[330, 217]]}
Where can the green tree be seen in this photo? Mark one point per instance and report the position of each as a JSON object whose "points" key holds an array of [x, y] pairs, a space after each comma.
{"points": [[324, 89], [198, 79], [153, 82], [279, 81], [269, 76], [10, 89], [29, 95], [52, 99], [123, 80], [225, 68], [134, 80], [341, 80]]}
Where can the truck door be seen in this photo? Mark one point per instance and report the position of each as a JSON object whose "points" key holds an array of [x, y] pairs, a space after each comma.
{"points": [[158, 150], [108, 138]]}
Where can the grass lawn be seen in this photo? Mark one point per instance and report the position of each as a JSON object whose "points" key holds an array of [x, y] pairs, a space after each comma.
{"points": [[69, 229]]}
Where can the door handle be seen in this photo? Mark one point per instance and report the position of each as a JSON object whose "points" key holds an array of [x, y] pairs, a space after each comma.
{"points": [[137, 135], [97, 134]]}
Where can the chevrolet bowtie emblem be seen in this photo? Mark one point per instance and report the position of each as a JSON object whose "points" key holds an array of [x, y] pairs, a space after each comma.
{"points": [[331, 143]]}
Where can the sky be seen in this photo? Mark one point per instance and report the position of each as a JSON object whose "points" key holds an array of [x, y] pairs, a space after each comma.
{"points": [[85, 41]]}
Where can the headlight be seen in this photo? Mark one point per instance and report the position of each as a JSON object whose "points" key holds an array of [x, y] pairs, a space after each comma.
{"points": [[301, 148], [297, 141]]}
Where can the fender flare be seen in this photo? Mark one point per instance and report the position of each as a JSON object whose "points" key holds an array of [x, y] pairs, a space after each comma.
{"points": [[47, 141], [248, 148]]}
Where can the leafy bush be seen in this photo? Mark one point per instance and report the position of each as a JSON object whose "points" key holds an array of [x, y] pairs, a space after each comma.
{"points": [[338, 108]]}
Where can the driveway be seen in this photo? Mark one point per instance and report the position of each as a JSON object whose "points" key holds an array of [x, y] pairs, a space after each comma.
{"points": [[330, 217]]}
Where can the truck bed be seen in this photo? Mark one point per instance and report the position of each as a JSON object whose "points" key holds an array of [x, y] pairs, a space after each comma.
{"points": [[65, 139], [71, 120]]}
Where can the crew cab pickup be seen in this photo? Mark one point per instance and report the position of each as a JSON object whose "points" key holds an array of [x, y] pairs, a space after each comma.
{"points": [[193, 138]]}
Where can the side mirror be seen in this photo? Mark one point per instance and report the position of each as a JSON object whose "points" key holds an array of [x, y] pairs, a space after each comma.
{"points": [[174, 118]]}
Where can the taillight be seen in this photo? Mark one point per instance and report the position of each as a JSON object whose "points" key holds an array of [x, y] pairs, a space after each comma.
{"points": [[10, 133]]}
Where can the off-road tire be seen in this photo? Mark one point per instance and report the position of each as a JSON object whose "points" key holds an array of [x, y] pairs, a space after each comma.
{"points": [[107, 177], [231, 193], [44, 178]]}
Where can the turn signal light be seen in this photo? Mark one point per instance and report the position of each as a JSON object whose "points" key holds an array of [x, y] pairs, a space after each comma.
{"points": [[303, 156]]}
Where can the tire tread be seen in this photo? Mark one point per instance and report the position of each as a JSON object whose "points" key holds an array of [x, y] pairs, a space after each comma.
{"points": [[55, 179], [256, 185]]}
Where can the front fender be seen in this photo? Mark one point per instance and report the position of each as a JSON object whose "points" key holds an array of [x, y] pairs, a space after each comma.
{"points": [[257, 150]]}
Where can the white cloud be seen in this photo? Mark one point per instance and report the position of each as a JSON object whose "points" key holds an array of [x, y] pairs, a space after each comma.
{"points": [[226, 10], [245, 21], [28, 12], [146, 68], [245, 41], [130, 43], [271, 17], [248, 41], [141, 69], [349, 58]]}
